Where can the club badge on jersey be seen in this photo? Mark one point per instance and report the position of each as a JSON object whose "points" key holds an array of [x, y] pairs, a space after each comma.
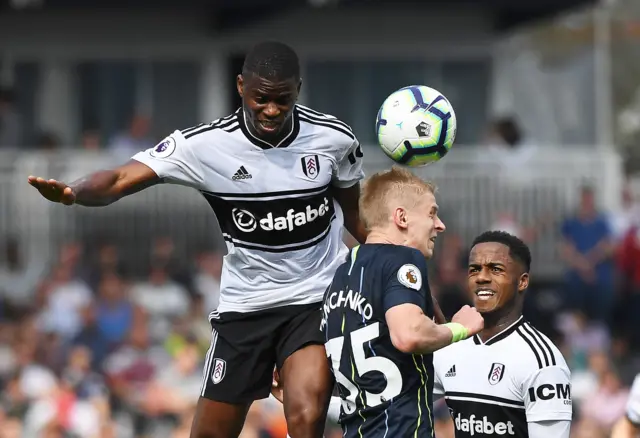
{"points": [[311, 166]]}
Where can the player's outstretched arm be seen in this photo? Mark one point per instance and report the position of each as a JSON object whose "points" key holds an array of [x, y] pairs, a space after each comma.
{"points": [[413, 332], [100, 188]]}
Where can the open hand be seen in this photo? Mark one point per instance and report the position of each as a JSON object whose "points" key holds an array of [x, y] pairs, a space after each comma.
{"points": [[54, 191]]}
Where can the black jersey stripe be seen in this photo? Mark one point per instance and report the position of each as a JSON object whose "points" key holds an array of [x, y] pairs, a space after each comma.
{"points": [[315, 115], [193, 128], [326, 124], [484, 397], [219, 125], [283, 193], [214, 123], [545, 355], [232, 128], [528, 341], [543, 341]]}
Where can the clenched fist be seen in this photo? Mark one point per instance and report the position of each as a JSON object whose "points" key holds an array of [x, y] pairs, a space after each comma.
{"points": [[470, 318]]}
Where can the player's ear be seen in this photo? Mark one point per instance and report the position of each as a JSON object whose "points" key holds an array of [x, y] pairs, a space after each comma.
{"points": [[299, 85], [400, 217], [523, 282], [240, 85]]}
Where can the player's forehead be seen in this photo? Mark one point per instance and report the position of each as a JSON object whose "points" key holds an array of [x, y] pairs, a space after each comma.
{"points": [[258, 84], [490, 253], [427, 202]]}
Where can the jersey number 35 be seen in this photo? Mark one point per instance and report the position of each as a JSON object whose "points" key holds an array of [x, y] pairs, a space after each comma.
{"points": [[361, 365]]}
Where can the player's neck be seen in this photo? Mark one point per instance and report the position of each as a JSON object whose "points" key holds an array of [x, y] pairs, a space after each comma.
{"points": [[377, 236], [496, 322]]}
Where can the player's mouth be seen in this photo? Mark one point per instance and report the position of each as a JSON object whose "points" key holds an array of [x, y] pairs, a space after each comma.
{"points": [[433, 239], [485, 294], [269, 126]]}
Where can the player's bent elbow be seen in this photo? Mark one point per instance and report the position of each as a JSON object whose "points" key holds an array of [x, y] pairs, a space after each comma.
{"points": [[406, 340]]}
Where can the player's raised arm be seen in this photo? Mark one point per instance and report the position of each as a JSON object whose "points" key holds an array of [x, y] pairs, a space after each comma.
{"points": [[172, 160]]}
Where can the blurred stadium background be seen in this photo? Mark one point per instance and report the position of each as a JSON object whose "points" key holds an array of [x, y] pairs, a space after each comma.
{"points": [[103, 315]]}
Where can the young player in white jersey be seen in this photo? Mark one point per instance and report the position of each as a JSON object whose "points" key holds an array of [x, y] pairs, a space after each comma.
{"points": [[629, 425], [509, 379], [282, 179]]}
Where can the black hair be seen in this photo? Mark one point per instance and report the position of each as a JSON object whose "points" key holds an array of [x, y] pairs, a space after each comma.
{"points": [[272, 60], [518, 250]]}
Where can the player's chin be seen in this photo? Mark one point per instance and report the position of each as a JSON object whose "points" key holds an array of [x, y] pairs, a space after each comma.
{"points": [[484, 305]]}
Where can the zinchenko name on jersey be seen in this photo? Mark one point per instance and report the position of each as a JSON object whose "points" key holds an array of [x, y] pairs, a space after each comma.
{"points": [[352, 300]]}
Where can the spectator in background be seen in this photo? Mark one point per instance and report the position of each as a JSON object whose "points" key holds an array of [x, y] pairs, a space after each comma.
{"points": [[64, 298], [608, 402], [587, 248], [114, 311], [627, 217], [47, 141], [162, 299], [628, 262], [207, 279], [18, 277], [136, 139], [10, 123], [90, 140]]}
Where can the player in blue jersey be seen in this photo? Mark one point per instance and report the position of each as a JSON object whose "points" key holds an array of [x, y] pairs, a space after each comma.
{"points": [[378, 313]]}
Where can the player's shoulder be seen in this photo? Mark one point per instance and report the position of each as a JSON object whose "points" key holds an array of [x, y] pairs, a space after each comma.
{"points": [[216, 128], [326, 124], [534, 350], [395, 256]]}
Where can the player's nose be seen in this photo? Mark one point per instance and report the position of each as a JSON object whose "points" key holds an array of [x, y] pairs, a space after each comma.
{"points": [[271, 110]]}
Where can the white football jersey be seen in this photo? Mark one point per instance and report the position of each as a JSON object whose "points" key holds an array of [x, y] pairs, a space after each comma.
{"points": [[497, 387], [282, 227], [633, 405]]}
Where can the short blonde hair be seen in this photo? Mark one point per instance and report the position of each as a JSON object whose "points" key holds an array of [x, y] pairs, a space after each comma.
{"points": [[382, 188]]}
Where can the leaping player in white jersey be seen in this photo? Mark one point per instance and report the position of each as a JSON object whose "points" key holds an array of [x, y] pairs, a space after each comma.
{"points": [[282, 179], [510, 379], [629, 425]]}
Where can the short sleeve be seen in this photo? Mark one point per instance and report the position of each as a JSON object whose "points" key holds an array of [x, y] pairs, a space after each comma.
{"points": [[633, 404], [547, 394], [349, 171], [174, 161], [406, 283]]}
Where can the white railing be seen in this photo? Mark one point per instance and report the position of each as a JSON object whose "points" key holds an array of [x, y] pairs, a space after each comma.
{"points": [[475, 189]]}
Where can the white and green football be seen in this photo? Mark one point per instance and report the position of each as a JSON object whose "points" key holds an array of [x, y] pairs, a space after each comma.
{"points": [[416, 126]]}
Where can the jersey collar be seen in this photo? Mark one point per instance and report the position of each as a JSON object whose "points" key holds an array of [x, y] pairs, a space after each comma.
{"points": [[500, 336], [286, 141]]}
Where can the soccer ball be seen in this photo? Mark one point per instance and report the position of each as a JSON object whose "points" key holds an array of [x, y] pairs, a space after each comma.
{"points": [[416, 126]]}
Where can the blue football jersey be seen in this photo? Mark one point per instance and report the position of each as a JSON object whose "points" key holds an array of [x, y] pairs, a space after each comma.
{"points": [[384, 392]]}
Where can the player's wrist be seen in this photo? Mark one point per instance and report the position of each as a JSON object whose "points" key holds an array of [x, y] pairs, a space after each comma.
{"points": [[458, 331]]}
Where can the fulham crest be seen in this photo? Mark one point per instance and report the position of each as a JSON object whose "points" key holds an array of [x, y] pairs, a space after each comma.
{"points": [[311, 166], [496, 373], [219, 370]]}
